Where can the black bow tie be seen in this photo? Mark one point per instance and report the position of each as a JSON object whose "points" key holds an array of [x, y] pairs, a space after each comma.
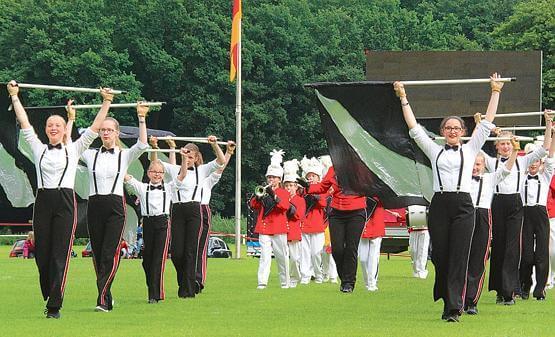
{"points": [[57, 146], [191, 168], [103, 149], [533, 177], [477, 178], [152, 187], [503, 159], [449, 147]]}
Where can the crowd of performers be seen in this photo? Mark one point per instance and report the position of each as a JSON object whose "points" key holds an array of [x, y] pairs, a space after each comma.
{"points": [[314, 230]]}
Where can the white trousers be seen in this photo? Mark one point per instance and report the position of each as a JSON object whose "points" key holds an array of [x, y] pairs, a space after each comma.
{"points": [[419, 242], [295, 250], [311, 257], [278, 244], [329, 268], [369, 255], [551, 275]]}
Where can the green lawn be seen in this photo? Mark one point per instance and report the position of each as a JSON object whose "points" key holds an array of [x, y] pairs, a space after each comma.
{"points": [[231, 306]]}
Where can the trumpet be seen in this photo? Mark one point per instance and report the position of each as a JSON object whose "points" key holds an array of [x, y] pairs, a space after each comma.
{"points": [[260, 190]]}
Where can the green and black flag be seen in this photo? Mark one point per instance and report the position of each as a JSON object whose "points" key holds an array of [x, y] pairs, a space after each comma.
{"points": [[369, 143]]}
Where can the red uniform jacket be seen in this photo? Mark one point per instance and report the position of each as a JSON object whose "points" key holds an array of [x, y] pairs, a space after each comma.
{"points": [[295, 223], [276, 221], [375, 226], [339, 201], [551, 199], [315, 221]]}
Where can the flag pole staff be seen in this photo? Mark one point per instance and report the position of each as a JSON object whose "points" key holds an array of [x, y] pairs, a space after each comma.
{"points": [[238, 141], [460, 81]]}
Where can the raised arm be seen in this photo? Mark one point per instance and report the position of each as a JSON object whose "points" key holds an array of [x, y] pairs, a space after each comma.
{"points": [[142, 111], [153, 141], [186, 162], [70, 119], [407, 111], [107, 98], [547, 143], [20, 113], [220, 158], [512, 158], [171, 156], [494, 99]]}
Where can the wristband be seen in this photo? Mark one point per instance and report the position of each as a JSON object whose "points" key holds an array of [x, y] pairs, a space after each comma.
{"points": [[107, 100], [496, 90]]}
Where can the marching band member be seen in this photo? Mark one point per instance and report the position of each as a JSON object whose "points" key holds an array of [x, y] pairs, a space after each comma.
{"points": [[507, 212], [295, 219], [370, 244], [451, 212], [419, 245], [313, 227], [271, 224], [155, 201], [535, 227], [551, 213], [329, 269], [54, 212], [346, 219], [186, 211], [482, 188], [206, 217], [106, 208]]}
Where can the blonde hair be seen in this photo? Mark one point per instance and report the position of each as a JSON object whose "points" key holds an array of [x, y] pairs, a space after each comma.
{"points": [[116, 124], [31, 236], [194, 147], [65, 137], [504, 133], [156, 162]]}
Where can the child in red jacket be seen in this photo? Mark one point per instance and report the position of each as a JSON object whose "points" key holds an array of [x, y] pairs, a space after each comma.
{"points": [[271, 224]]}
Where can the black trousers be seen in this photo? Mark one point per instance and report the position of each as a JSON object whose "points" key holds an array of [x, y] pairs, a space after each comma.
{"points": [[54, 221], [345, 230], [451, 224], [156, 237], [535, 249], [185, 231], [206, 216], [106, 221], [479, 250], [507, 215]]}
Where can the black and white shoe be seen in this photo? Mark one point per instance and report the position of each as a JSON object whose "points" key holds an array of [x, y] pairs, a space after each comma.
{"points": [[102, 308], [52, 313], [471, 310]]}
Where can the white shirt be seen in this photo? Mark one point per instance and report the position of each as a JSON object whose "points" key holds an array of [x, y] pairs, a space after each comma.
{"points": [[207, 187], [512, 183], [190, 188], [50, 164], [153, 201], [106, 169], [529, 187], [486, 186], [448, 162]]}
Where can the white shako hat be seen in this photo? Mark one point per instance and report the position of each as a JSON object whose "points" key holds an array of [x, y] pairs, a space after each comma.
{"points": [[275, 169], [290, 169], [311, 165], [326, 164]]}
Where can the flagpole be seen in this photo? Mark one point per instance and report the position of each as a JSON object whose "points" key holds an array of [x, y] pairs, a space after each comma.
{"points": [[238, 140]]}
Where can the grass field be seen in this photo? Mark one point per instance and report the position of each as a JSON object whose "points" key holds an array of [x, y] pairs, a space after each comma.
{"points": [[231, 306]]}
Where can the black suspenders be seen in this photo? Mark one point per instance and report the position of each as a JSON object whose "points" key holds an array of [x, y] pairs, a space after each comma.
{"points": [[517, 176], [94, 172], [63, 173], [480, 191], [460, 171], [163, 199], [526, 192], [196, 185]]}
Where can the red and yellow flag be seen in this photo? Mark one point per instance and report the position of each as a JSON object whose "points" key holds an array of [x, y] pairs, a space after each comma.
{"points": [[235, 39]]}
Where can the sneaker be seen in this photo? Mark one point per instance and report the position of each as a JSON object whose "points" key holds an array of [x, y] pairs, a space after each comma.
{"points": [[372, 288], [152, 301], [261, 286], [326, 278], [318, 281], [471, 310], [102, 308], [499, 299], [305, 281], [423, 274], [346, 289], [509, 301], [284, 286], [525, 295], [452, 318], [292, 285], [540, 298], [333, 280], [52, 313]]}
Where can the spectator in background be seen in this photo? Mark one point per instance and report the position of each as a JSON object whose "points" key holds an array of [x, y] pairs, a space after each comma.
{"points": [[29, 246]]}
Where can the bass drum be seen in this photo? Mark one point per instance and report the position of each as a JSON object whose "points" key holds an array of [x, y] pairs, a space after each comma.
{"points": [[417, 217]]}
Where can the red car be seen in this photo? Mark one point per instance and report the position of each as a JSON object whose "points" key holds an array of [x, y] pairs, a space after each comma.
{"points": [[87, 252], [17, 249]]}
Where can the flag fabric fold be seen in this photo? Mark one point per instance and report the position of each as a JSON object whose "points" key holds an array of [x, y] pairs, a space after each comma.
{"points": [[235, 39]]}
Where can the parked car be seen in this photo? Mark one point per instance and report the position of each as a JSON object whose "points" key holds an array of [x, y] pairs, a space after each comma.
{"points": [[17, 248], [218, 248], [87, 252]]}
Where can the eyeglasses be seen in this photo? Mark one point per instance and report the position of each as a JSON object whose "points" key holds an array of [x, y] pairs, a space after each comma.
{"points": [[452, 128], [156, 172], [108, 131]]}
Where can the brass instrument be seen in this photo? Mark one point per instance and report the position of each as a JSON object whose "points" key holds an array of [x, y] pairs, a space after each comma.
{"points": [[260, 190]]}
